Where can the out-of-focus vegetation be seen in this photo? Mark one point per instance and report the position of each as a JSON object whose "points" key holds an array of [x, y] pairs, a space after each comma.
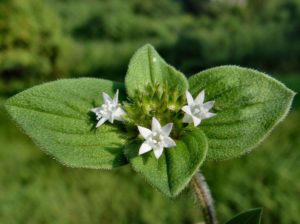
{"points": [[32, 47], [44, 40], [50, 39]]}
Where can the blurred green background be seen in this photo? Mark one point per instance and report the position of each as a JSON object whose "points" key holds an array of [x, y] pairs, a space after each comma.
{"points": [[50, 39]]}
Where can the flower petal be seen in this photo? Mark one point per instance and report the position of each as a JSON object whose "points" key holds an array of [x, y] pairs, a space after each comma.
{"points": [[187, 109], [106, 98], [100, 122], [115, 100], [111, 118], [166, 130], [208, 115], [200, 98], [119, 113], [145, 132], [208, 105], [168, 142], [155, 125], [158, 151], [96, 110], [189, 97], [196, 121], [144, 148], [187, 118]]}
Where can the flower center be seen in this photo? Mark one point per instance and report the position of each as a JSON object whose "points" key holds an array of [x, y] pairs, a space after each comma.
{"points": [[155, 101], [198, 110], [157, 137], [109, 107]]}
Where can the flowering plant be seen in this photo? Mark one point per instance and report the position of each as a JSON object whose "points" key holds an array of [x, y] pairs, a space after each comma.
{"points": [[153, 122]]}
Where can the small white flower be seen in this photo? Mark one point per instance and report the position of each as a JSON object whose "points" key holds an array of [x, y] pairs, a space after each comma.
{"points": [[111, 110], [157, 138], [197, 110]]}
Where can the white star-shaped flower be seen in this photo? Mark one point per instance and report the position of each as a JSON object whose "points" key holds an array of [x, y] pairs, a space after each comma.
{"points": [[110, 110], [197, 110], [157, 138]]}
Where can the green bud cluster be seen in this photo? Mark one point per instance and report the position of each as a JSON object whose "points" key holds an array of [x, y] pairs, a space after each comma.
{"points": [[155, 101]]}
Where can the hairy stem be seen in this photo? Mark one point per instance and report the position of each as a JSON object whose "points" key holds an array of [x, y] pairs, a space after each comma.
{"points": [[203, 194]]}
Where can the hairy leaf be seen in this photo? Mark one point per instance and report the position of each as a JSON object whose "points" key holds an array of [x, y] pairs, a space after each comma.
{"points": [[174, 169], [57, 116], [248, 105], [147, 67], [251, 216]]}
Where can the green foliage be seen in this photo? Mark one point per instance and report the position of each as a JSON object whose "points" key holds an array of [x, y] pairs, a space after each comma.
{"points": [[147, 67], [95, 59], [248, 105], [31, 44], [174, 170], [252, 216], [194, 35], [35, 189], [117, 21], [99, 37], [262, 37], [268, 177], [191, 34], [57, 116]]}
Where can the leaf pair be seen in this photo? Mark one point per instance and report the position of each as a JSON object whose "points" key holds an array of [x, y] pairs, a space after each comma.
{"points": [[56, 115]]}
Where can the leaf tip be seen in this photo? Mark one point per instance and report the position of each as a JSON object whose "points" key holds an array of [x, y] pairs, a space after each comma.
{"points": [[250, 216], [148, 45]]}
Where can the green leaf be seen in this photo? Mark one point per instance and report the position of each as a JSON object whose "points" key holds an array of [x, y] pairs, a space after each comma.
{"points": [[251, 216], [57, 116], [174, 169], [146, 67], [248, 105]]}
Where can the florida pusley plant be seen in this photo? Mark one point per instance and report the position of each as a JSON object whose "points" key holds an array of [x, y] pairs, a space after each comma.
{"points": [[161, 123]]}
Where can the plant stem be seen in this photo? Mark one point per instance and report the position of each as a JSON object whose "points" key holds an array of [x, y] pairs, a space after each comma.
{"points": [[204, 196]]}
